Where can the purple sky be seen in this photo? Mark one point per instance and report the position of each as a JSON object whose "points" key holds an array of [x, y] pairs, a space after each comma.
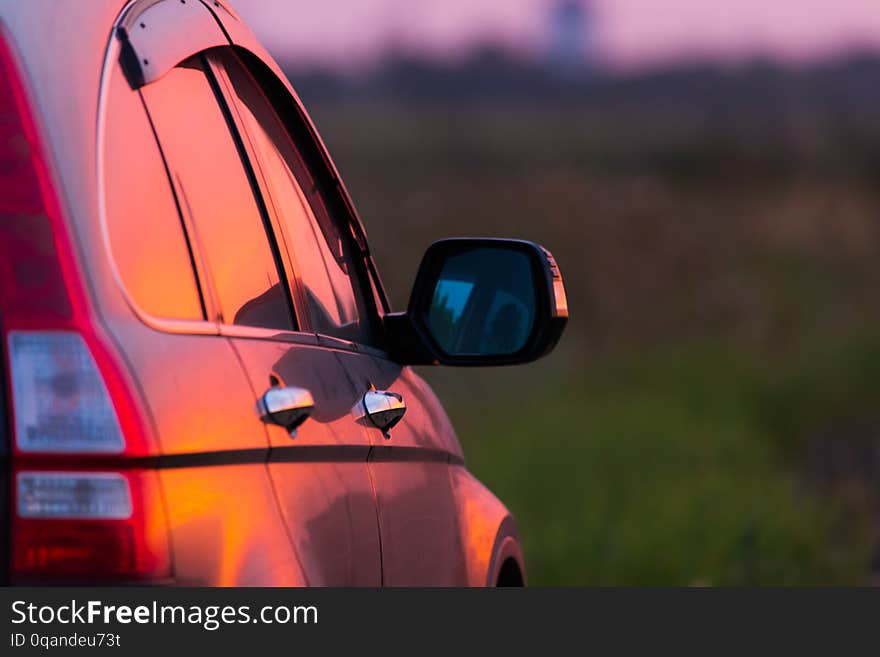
{"points": [[631, 33]]}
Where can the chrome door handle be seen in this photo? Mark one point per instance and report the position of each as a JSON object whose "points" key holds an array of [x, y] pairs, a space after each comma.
{"points": [[286, 407], [382, 409]]}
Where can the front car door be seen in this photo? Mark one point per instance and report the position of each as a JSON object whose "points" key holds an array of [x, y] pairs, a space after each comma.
{"points": [[410, 472]]}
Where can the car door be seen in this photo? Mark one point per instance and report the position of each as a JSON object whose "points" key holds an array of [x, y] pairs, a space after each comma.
{"points": [[320, 475], [224, 526], [410, 471], [418, 514]]}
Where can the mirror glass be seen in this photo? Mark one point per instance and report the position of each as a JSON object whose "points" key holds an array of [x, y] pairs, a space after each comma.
{"points": [[483, 303]]}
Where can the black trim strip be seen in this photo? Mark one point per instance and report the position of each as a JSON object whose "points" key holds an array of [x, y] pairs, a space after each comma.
{"points": [[397, 454], [76, 462], [320, 454], [232, 457], [290, 454]]}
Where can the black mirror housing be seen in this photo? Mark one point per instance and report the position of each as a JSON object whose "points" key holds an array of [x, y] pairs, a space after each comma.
{"points": [[480, 302]]}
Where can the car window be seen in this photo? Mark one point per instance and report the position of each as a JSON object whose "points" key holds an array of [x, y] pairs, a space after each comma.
{"points": [[217, 195], [147, 238], [318, 243]]}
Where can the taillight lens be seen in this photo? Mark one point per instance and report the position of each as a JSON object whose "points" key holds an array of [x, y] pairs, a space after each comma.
{"points": [[89, 525], [73, 495], [72, 550], [72, 405], [61, 402]]}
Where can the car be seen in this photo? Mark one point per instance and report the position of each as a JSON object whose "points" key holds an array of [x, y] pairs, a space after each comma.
{"points": [[203, 381]]}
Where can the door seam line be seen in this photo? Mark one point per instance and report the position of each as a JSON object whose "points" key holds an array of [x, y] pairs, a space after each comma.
{"points": [[378, 521]]}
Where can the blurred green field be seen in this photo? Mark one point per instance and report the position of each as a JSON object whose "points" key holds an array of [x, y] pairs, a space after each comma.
{"points": [[711, 415]]}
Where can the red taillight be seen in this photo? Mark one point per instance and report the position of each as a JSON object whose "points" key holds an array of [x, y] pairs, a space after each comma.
{"points": [[73, 549], [111, 527], [31, 278], [71, 402]]}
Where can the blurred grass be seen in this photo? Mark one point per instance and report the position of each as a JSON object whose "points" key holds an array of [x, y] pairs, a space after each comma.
{"points": [[673, 468], [711, 414]]}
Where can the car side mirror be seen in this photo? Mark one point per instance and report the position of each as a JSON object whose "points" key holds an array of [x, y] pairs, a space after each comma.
{"points": [[481, 301]]}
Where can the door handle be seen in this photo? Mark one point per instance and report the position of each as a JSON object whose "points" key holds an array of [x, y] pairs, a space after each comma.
{"points": [[382, 409], [287, 407]]}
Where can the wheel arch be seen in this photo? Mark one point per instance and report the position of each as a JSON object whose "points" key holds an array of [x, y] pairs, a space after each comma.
{"points": [[489, 535], [506, 565]]}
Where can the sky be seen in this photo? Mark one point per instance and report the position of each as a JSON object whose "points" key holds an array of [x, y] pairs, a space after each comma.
{"points": [[629, 33]]}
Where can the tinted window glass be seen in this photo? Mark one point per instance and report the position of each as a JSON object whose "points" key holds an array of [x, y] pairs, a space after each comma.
{"points": [[217, 195], [146, 235], [319, 245]]}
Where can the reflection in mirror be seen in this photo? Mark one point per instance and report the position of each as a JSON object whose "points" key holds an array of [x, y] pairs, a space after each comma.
{"points": [[483, 303]]}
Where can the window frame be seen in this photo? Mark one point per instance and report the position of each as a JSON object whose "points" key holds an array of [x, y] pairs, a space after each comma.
{"points": [[291, 111]]}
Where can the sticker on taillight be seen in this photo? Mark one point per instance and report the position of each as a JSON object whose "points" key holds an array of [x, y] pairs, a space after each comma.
{"points": [[59, 399], [73, 495]]}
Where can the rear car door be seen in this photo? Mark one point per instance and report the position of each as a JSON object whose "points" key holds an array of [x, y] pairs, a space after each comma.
{"points": [[417, 513], [319, 474], [223, 522]]}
